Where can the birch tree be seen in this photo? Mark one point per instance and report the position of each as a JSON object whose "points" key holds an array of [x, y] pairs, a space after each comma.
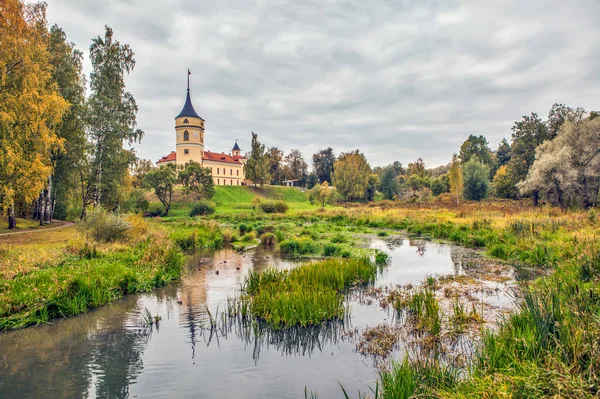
{"points": [[111, 118]]}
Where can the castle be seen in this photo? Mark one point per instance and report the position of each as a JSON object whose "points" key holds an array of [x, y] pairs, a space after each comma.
{"points": [[226, 169]]}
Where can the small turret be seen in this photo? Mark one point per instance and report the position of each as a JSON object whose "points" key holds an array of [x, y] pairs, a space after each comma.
{"points": [[235, 151]]}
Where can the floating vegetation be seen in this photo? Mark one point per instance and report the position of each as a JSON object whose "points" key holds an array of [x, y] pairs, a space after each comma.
{"points": [[304, 296], [379, 341]]}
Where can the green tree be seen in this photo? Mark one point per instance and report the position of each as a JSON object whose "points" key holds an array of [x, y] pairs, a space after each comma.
{"points": [[139, 170], [476, 146], [257, 165], [312, 180], [275, 157], [197, 180], [528, 134], [455, 178], [111, 116], [372, 187], [323, 161], [162, 180], [476, 179], [502, 185], [63, 184], [389, 185], [417, 168], [503, 153], [440, 185], [559, 114], [296, 167], [30, 105], [567, 168], [351, 175]]}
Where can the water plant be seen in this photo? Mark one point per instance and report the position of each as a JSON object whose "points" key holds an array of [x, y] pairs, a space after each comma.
{"points": [[307, 295]]}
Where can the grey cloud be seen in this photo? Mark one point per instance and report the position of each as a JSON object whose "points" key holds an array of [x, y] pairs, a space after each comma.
{"points": [[397, 79]]}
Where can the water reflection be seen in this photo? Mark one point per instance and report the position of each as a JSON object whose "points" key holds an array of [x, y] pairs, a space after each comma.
{"points": [[86, 356]]}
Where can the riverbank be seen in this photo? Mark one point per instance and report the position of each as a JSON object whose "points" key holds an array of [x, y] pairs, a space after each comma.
{"points": [[62, 273]]}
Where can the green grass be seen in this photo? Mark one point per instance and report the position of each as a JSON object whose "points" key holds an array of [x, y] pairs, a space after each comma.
{"points": [[238, 199], [305, 296], [82, 282]]}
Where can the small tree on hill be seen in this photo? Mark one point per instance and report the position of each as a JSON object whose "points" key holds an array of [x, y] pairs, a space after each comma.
{"points": [[257, 165], [162, 180], [476, 180], [197, 179], [351, 175], [321, 194]]}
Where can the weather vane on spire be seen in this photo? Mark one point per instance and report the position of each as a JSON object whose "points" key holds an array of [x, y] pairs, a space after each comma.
{"points": [[189, 73]]}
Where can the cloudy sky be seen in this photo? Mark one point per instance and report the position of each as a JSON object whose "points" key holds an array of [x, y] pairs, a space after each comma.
{"points": [[399, 79]]}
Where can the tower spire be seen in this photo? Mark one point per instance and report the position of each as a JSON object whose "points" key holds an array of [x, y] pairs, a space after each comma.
{"points": [[189, 73]]}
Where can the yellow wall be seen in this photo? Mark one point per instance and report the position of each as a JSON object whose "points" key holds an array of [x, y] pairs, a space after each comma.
{"points": [[226, 174], [195, 142]]}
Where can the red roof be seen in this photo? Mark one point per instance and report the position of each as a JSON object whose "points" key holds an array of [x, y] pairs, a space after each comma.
{"points": [[208, 156], [213, 156], [168, 158]]}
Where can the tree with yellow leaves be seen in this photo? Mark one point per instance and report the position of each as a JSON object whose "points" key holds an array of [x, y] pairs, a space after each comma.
{"points": [[455, 176], [30, 106]]}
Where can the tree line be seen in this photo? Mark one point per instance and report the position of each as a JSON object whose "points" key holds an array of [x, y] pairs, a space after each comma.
{"points": [[556, 161], [61, 150]]}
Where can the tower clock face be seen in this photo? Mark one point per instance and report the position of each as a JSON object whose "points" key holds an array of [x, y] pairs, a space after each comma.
{"points": [[195, 134]]}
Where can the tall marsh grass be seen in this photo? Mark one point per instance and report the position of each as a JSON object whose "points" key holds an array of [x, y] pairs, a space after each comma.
{"points": [[307, 295]]}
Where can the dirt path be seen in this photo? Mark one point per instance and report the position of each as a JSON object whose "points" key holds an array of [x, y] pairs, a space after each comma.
{"points": [[34, 230]]}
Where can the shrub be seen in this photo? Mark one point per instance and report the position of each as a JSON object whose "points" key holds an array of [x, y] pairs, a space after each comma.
{"points": [[268, 239], [249, 237], [338, 238], [244, 228], [136, 202], [229, 236], [273, 207], [381, 258], [103, 226], [382, 233], [279, 235], [202, 208], [299, 247], [331, 250]]}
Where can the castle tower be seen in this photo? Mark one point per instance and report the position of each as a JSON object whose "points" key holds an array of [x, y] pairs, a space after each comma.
{"points": [[189, 128], [235, 151]]}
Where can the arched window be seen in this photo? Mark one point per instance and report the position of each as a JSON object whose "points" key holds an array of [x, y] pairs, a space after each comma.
{"points": [[185, 121], [186, 136], [218, 182]]}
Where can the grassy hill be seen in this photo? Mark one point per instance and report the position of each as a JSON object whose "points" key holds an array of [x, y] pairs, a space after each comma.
{"points": [[237, 199]]}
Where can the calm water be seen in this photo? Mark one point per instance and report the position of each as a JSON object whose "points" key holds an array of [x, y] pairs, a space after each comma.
{"points": [[108, 353]]}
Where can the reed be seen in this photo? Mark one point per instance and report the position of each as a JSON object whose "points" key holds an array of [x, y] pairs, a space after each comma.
{"points": [[307, 295]]}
